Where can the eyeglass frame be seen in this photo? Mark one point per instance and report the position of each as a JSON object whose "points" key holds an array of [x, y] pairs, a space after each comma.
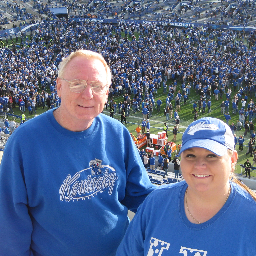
{"points": [[85, 84]]}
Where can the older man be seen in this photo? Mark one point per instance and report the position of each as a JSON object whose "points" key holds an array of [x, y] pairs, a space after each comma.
{"points": [[69, 176]]}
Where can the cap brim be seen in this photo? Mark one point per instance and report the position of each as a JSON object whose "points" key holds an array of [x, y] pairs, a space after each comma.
{"points": [[210, 145]]}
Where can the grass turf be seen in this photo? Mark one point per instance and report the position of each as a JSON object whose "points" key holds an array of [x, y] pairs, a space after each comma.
{"points": [[158, 118]]}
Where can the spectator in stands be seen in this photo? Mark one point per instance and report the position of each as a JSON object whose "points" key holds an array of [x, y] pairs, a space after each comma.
{"points": [[142, 153], [204, 105], [175, 132], [169, 153], [145, 112], [138, 130], [6, 130], [194, 107], [160, 160], [239, 125], [171, 110], [148, 138], [152, 162], [159, 103], [71, 170], [210, 202], [166, 166], [176, 163], [167, 113], [148, 125], [233, 128], [241, 142], [227, 117], [145, 160], [195, 115], [216, 93], [175, 115], [246, 128], [222, 107], [253, 135], [177, 122], [209, 105], [247, 166], [235, 140], [250, 147], [23, 118], [165, 128], [111, 112], [241, 116], [143, 126], [123, 117]]}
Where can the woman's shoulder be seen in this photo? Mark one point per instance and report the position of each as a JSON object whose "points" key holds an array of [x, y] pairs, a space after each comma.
{"points": [[244, 196]]}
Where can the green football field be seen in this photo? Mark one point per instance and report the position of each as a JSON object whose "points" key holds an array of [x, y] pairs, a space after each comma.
{"points": [[186, 117]]}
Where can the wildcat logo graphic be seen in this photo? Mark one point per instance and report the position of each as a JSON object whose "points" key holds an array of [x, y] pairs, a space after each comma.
{"points": [[101, 177], [157, 246], [192, 252]]}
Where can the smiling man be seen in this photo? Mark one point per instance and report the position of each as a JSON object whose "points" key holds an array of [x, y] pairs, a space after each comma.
{"points": [[83, 94], [69, 176]]}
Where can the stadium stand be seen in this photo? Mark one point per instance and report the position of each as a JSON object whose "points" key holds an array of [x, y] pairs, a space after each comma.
{"points": [[206, 12], [30, 65]]}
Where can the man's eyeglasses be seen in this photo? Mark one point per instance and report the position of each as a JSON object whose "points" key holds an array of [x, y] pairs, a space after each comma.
{"points": [[78, 86]]}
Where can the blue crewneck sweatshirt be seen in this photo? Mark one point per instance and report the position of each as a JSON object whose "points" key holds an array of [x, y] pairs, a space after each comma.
{"points": [[68, 193]]}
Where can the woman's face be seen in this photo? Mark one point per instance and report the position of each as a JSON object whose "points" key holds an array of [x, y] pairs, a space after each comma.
{"points": [[204, 170]]}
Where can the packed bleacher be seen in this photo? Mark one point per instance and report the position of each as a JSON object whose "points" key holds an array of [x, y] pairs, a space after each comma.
{"points": [[176, 41], [240, 12], [176, 53]]}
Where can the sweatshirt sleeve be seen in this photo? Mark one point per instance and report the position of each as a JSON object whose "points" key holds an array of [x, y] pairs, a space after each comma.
{"points": [[15, 221], [133, 241]]}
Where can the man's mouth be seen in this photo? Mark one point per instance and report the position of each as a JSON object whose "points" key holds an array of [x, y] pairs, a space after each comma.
{"points": [[81, 106]]}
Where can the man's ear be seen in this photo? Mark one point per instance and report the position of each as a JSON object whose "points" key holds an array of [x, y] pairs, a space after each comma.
{"points": [[59, 86], [107, 92]]}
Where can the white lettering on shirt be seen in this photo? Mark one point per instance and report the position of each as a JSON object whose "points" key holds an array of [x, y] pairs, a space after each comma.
{"points": [[157, 246], [101, 178], [192, 252]]}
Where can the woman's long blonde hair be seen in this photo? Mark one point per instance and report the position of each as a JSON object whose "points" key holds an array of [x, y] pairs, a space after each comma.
{"points": [[236, 180]]}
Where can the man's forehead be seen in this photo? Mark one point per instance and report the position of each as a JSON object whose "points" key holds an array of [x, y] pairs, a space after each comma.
{"points": [[85, 68]]}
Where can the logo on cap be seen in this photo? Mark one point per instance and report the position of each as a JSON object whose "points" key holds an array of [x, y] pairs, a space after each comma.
{"points": [[201, 126]]}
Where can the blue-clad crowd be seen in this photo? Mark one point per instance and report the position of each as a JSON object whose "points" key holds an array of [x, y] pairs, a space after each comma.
{"points": [[201, 60], [214, 63]]}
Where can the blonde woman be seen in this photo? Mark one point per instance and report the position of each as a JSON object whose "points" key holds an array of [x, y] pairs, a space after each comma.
{"points": [[209, 213]]}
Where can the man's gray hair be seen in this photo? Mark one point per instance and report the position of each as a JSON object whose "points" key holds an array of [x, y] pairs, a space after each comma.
{"points": [[89, 55]]}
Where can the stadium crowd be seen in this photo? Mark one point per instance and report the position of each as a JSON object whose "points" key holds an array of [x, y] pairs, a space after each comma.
{"points": [[214, 63], [237, 12]]}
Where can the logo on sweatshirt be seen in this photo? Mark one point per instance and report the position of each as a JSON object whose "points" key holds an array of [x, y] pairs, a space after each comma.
{"points": [[192, 252], [82, 186], [157, 247]]}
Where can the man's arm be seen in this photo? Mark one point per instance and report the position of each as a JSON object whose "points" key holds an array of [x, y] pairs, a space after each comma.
{"points": [[15, 222]]}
